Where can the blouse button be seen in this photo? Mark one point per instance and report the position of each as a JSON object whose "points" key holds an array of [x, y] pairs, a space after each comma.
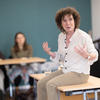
{"points": [[65, 60], [65, 47]]}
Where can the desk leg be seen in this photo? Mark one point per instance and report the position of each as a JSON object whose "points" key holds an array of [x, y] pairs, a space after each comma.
{"points": [[35, 88], [58, 95], [96, 95], [84, 95]]}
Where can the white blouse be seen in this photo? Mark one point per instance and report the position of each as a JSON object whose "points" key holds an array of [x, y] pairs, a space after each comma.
{"points": [[71, 60]]}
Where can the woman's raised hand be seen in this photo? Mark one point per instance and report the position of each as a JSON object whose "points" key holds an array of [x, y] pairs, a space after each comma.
{"points": [[45, 47], [82, 50], [48, 50]]}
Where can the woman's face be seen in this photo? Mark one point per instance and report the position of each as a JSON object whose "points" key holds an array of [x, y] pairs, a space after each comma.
{"points": [[68, 23], [20, 39]]}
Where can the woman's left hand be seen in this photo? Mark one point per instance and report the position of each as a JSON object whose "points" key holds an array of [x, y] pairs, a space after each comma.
{"points": [[82, 50]]}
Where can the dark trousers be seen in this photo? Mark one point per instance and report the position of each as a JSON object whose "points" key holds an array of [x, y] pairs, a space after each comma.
{"points": [[19, 78], [2, 97]]}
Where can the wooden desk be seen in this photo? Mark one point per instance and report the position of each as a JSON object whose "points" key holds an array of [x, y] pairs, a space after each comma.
{"points": [[37, 76], [93, 82], [68, 92], [21, 60]]}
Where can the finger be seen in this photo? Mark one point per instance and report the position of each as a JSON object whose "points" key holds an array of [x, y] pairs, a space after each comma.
{"points": [[49, 49], [85, 46], [77, 49], [80, 47], [44, 45]]}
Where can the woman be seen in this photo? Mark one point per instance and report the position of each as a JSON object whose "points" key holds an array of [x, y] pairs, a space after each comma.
{"points": [[21, 50], [76, 52]]}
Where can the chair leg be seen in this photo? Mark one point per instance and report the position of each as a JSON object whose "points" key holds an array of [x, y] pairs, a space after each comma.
{"points": [[11, 90]]}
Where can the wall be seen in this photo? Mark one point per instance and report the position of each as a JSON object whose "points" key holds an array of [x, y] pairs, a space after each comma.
{"points": [[35, 18], [95, 6]]}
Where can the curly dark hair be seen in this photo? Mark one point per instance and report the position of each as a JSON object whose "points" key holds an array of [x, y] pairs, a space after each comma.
{"points": [[67, 11], [25, 46]]}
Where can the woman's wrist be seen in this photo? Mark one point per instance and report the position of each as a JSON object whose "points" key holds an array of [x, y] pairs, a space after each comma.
{"points": [[91, 56], [52, 54], [88, 56]]}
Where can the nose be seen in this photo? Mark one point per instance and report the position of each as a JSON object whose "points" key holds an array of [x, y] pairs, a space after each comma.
{"points": [[67, 22]]}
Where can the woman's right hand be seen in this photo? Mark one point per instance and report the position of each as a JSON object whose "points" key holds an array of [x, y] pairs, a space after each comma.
{"points": [[45, 47]]}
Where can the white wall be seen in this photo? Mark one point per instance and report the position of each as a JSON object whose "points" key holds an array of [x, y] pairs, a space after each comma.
{"points": [[95, 8]]}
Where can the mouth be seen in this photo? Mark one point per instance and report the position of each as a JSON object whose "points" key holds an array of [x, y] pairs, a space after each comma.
{"points": [[68, 27]]}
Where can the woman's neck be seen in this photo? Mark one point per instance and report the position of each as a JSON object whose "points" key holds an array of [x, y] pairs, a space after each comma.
{"points": [[20, 47], [69, 35]]}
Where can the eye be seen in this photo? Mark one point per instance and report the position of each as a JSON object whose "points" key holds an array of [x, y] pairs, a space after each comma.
{"points": [[70, 19], [64, 20]]}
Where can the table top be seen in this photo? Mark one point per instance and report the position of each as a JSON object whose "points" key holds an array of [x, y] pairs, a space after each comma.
{"points": [[37, 76], [21, 60], [93, 83]]}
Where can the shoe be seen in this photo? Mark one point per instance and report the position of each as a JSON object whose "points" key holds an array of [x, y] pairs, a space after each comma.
{"points": [[29, 91]]}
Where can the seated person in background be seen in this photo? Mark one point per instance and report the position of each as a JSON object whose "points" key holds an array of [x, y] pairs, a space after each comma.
{"points": [[21, 50], [1, 80], [4, 80]]}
